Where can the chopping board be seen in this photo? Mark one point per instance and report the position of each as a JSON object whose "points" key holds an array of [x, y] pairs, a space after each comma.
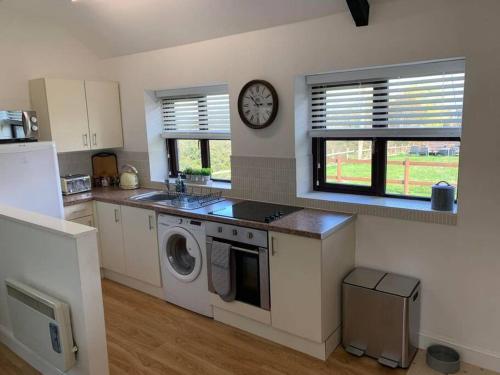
{"points": [[104, 164]]}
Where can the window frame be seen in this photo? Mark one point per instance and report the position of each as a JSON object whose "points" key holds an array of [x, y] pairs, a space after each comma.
{"points": [[379, 155], [173, 156], [379, 166]]}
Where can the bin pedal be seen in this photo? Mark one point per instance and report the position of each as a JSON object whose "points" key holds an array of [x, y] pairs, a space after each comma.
{"points": [[354, 351], [388, 362]]}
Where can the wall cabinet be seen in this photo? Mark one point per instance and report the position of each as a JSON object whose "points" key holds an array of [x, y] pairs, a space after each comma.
{"points": [[129, 243], [78, 115]]}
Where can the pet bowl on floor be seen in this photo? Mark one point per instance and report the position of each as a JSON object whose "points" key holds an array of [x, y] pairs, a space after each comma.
{"points": [[443, 359]]}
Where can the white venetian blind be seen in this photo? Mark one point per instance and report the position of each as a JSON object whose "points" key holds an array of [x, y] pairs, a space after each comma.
{"points": [[196, 116], [417, 100]]}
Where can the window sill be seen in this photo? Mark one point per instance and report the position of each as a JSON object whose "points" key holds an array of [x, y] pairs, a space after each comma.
{"points": [[220, 185], [407, 209]]}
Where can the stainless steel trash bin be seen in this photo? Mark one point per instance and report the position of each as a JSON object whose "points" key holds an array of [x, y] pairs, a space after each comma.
{"points": [[381, 316]]}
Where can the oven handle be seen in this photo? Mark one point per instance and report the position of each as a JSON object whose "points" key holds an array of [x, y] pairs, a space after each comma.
{"points": [[244, 250]]}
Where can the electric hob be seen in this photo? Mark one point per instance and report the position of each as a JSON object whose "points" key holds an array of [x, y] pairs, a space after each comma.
{"points": [[256, 211]]}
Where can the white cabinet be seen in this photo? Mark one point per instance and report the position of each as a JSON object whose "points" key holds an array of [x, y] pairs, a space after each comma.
{"points": [[82, 213], [295, 277], [105, 122], [141, 245], [306, 277], [62, 113], [78, 115], [111, 236], [85, 220], [129, 243]]}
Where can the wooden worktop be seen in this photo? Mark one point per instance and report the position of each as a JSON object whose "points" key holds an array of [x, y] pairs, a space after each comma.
{"points": [[306, 222]]}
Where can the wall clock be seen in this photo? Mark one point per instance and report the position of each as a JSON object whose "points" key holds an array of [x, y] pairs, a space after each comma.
{"points": [[258, 104]]}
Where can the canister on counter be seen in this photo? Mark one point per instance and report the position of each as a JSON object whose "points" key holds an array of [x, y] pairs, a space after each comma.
{"points": [[443, 196]]}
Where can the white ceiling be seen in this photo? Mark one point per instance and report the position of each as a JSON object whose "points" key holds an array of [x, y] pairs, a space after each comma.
{"points": [[120, 27]]}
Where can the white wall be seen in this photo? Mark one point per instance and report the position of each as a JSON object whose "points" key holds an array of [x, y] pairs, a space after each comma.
{"points": [[459, 265], [33, 48]]}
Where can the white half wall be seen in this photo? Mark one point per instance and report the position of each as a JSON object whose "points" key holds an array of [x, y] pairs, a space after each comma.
{"points": [[459, 265], [60, 259]]}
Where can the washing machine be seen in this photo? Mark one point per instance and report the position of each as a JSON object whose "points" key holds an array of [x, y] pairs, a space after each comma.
{"points": [[183, 258]]}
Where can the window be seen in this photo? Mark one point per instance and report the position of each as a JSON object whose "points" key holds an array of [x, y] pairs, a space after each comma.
{"points": [[388, 131], [197, 129]]}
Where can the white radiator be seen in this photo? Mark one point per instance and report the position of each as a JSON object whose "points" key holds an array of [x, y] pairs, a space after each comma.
{"points": [[42, 323]]}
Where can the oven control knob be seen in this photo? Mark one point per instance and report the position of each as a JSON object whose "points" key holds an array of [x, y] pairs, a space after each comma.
{"points": [[235, 232], [33, 119], [219, 229], [180, 221], [34, 128], [250, 235]]}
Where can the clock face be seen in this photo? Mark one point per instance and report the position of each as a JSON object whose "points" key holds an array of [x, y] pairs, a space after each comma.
{"points": [[258, 104]]}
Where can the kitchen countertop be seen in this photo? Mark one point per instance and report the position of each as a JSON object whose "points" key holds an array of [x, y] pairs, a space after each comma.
{"points": [[306, 222]]}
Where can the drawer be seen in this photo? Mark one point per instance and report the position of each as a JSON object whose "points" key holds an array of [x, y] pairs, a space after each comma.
{"points": [[85, 220], [78, 210]]}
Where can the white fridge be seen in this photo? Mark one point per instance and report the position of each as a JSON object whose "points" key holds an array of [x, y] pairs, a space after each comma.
{"points": [[29, 177]]}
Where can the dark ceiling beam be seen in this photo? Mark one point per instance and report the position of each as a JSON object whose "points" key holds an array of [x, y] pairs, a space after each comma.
{"points": [[360, 10]]}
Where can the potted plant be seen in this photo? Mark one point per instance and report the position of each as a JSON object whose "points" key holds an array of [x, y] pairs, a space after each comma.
{"points": [[198, 176], [205, 175], [188, 172]]}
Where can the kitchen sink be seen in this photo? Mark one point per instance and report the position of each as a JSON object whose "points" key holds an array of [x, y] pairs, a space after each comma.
{"points": [[187, 201], [154, 196]]}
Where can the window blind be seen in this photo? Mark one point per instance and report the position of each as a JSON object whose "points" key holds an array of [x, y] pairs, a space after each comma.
{"points": [[196, 116], [399, 102]]}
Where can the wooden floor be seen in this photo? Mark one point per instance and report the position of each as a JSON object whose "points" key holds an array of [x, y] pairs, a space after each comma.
{"points": [[147, 336], [150, 336]]}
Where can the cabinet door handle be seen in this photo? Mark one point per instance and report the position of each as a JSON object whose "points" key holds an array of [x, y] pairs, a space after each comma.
{"points": [[85, 140], [273, 251], [150, 222], [117, 216], [94, 139]]}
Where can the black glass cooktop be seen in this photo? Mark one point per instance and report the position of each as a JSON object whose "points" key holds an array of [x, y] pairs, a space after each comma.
{"points": [[256, 211]]}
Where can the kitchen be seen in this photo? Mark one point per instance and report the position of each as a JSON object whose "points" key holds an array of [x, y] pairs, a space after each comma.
{"points": [[274, 164]]}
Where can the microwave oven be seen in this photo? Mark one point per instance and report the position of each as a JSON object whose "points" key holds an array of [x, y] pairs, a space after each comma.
{"points": [[18, 126]]}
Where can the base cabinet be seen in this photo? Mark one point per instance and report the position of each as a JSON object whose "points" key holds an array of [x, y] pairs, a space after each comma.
{"points": [[141, 244], [129, 242], [111, 236], [82, 213], [295, 278], [305, 278]]}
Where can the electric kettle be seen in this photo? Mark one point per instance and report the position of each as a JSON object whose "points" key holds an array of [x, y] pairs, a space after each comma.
{"points": [[129, 177]]}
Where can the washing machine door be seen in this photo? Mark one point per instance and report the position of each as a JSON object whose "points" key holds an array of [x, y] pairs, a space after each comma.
{"points": [[181, 254]]}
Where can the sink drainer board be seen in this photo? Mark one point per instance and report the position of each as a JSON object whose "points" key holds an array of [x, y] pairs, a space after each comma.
{"points": [[190, 200]]}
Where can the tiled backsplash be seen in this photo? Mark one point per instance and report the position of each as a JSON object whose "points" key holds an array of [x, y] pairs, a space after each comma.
{"points": [[267, 179], [257, 178], [274, 180], [75, 163], [139, 160]]}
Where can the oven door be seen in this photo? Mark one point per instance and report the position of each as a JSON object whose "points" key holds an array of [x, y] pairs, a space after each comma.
{"points": [[252, 276]]}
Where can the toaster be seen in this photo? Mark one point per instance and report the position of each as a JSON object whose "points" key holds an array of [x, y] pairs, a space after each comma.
{"points": [[75, 183]]}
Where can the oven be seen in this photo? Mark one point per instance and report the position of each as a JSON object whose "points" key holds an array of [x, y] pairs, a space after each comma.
{"points": [[249, 248], [18, 126]]}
